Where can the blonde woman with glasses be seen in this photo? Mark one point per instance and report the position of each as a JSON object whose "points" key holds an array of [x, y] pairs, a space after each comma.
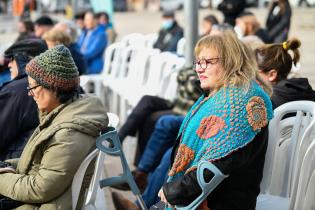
{"points": [[227, 126]]}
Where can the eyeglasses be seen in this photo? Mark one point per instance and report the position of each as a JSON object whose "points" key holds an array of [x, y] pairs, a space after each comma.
{"points": [[30, 89], [204, 63]]}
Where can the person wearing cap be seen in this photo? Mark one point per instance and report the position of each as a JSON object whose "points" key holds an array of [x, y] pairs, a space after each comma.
{"points": [[42, 24], [18, 113], [231, 9], [169, 34], [69, 126]]}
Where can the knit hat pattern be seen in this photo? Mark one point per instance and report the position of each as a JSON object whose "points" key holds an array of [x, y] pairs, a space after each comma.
{"points": [[54, 68]]}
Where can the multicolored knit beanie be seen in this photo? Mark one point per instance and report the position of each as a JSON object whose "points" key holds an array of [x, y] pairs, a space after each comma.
{"points": [[55, 69]]}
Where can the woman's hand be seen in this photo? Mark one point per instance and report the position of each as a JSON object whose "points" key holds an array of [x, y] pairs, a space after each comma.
{"points": [[162, 196]]}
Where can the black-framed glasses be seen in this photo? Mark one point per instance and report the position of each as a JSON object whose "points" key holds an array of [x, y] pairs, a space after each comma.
{"points": [[31, 89], [205, 62]]}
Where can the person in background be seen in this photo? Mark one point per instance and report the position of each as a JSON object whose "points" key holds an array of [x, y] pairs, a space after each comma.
{"points": [[26, 29], [79, 22], [69, 126], [275, 64], [248, 25], [18, 113], [169, 34], [227, 126], [103, 21], [42, 24], [279, 20], [67, 37], [231, 9], [207, 23], [92, 43]]}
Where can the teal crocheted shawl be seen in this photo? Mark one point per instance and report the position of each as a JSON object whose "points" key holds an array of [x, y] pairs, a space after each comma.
{"points": [[220, 124]]}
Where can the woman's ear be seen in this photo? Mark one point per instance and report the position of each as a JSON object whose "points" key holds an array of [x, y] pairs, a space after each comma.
{"points": [[272, 75]]}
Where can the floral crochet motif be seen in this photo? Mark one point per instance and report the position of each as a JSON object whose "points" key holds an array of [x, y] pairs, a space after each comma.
{"points": [[256, 113], [183, 157], [210, 126]]}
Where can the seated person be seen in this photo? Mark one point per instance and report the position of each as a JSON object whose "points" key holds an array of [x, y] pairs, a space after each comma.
{"points": [[207, 23], [69, 126], [227, 126], [58, 36], [18, 113], [248, 25], [42, 25], [92, 43], [103, 21], [275, 64], [170, 33]]}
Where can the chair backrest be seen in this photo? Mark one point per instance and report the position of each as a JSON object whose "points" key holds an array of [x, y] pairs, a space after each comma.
{"points": [[134, 39], [150, 39], [304, 190], [207, 187], [95, 199], [168, 86], [282, 151], [181, 46], [111, 58]]}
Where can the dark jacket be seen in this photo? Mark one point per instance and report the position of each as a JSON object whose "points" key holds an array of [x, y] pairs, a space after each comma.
{"points": [[18, 117], [240, 189], [278, 24], [231, 9], [263, 35], [292, 90], [167, 39], [78, 58]]}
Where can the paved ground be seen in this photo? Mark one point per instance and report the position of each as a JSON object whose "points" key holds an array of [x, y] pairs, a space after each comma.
{"points": [[303, 27]]}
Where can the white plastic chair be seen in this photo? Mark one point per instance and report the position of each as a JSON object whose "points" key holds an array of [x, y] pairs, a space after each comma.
{"points": [[150, 40], [283, 154], [95, 198], [305, 111], [110, 66], [134, 40], [304, 192], [181, 47], [168, 85]]}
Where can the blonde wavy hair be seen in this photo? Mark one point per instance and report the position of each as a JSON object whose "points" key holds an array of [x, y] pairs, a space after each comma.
{"points": [[57, 37], [237, 60]]}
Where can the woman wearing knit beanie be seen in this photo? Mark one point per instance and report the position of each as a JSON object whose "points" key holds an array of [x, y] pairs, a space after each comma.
{"points": [[69, 125]]}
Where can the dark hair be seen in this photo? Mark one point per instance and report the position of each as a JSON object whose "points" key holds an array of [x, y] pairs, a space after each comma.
{"points": [[212, 19], [276, 56], [98, 15], [64, 96], [29, 26], [79, 15], [44, 20]]}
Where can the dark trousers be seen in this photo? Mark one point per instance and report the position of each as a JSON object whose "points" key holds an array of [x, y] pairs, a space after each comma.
{"points": [[8, 203], [142, 120]]}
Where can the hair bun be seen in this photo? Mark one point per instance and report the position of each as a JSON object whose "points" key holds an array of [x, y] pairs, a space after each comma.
{"points": [[293, 43]]}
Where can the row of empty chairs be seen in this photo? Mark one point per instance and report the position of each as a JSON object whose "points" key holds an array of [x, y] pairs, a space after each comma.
{"points": [[133, 69]]}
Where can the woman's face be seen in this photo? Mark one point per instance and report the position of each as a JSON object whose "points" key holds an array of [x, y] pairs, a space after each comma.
{"points": [[45, 99], [208, 68]]}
